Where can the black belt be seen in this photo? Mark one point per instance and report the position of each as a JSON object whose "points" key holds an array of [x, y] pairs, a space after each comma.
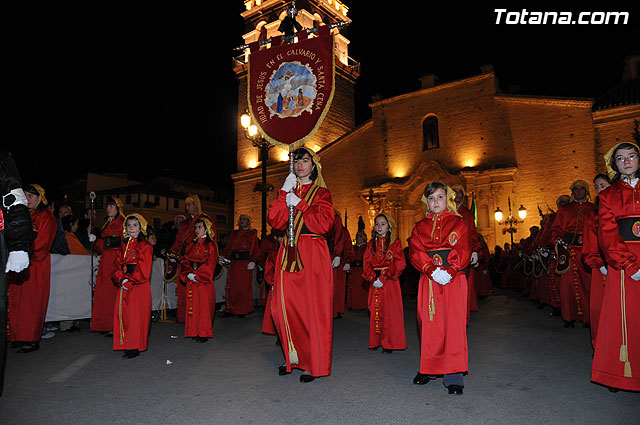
{"points": [[112, 242], [440, 258], [380, 272], [629, 228], [128, 268], [356, 263], [196, 264], [574, 239], [240, 255]]}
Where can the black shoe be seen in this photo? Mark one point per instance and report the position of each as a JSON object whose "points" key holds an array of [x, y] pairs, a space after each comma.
{"points": [[455, 389], [374, 349], [227, 314], [240, 316], [202, 339], [421, 379], [282, 370], [17, 344], [108, 335], [586, 325], [540, 306], [306, 378], [387, 351], [339, 316], [613, 390], [130, 354], [569, 324], [29, 347]]}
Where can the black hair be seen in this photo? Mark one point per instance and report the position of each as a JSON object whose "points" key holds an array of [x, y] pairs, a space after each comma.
{"points": [[141, 235], [299, 154], [67, 221], [199, 220], [433, 186]]}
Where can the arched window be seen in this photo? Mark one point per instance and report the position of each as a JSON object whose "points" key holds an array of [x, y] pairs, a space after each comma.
{"points": [[430, 139]]}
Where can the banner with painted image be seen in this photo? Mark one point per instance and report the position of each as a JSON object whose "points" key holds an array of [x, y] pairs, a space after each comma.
{"points": [[290, 87]]}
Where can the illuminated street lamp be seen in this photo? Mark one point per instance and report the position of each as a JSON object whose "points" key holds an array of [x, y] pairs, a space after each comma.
{"points": [[510, 223], [251, 133]]}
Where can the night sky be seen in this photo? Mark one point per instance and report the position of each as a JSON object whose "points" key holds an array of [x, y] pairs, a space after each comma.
{"points": [[151, 91]]}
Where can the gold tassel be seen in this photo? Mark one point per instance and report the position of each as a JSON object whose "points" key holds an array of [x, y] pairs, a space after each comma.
{"points": [[432, 304], [624, 356], [293, 356], [120, 319], [627, 370]]}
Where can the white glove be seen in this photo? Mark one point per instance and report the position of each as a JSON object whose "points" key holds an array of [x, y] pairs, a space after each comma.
{"points": [[251, 266], [92, 237], [636, 276], [485, 271], [123, 284], [292, 199], [17, 261], [474, 259], [603, 270], [377, 283], [290, 182], [544, 253], [336, 262], [192, 277], [441, 276], [346, 267], [562, 243]]}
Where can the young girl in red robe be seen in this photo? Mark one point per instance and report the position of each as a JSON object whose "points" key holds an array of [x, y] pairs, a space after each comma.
{"points": [[441, 251], [616, 361], [132, 312], [302, 298], [382, 266], [29, 289], [197, 274], [594, 259], [107, 246]]}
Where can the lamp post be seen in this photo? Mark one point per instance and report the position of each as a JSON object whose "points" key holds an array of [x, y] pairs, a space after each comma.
{"points": [[510, 223], [251, 133]]}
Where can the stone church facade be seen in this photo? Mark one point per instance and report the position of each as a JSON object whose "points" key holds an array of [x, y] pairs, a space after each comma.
{"points": [[503, 148]]}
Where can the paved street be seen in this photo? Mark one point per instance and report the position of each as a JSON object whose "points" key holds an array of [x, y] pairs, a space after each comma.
{"points": [[524, 368]]}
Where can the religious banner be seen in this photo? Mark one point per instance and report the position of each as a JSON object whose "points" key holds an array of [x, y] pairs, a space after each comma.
{"points": [[291, 87]]}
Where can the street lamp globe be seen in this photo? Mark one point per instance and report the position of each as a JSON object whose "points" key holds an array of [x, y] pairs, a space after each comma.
{"points": [[498, 214], [522, 212], [245, 120], [252, 130]]}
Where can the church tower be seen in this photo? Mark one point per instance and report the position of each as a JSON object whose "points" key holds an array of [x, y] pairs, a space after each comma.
{"points": [[262, 19]]}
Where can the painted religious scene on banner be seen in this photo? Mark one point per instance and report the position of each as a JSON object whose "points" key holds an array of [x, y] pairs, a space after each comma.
{"points": [[291, 87]]}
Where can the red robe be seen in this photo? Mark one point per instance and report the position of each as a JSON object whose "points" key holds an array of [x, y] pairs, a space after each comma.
{"points": [[106, 292], [358, 289], [341, 241], [593, 258], [186, 233], [476, 246], [386, 321], [242, 248], [132, 311], [549, 281], [29, 289], [619, 327], [576, 283], [442, 309], [482, 273], [302, 302], [267, 245], [200, 258], [269, 276]]}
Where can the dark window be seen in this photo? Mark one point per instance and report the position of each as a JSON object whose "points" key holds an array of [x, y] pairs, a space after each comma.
{"points": [[128, 199], [430, 139], [221, 218], [176, 203]]}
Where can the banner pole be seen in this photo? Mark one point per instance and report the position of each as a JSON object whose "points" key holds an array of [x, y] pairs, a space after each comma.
{"points": [[291, 238]]}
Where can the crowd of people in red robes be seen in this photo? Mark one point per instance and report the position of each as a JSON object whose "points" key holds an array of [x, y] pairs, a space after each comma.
{"points": [[582, 262]]}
